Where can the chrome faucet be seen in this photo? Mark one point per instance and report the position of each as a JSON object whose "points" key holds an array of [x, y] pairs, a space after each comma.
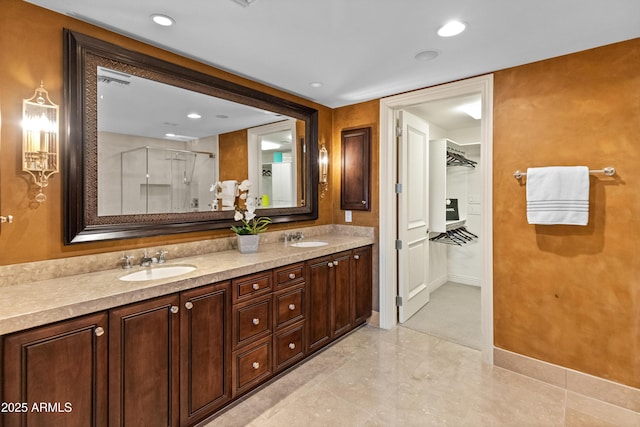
{"points": [[145, 261], [292, 237]]}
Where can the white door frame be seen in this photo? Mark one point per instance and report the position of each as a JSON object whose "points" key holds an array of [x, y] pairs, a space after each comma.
{"points": [[388, 199]]}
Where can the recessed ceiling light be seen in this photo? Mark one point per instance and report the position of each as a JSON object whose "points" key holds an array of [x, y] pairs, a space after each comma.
{"points": [[194, 116], [169, 135], [315, 84], [268, 145], [452, 28], [427, 55], [163, 20]]}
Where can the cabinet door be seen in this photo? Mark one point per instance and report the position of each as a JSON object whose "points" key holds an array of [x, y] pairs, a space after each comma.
{"points": [[143, 363], [205, 351], [361, 284], [63, 366], [318, 303], [341, 294], [355, 192]]}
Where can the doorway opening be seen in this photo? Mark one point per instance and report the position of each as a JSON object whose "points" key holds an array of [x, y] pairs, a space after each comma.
{"points": [[481, 196]]}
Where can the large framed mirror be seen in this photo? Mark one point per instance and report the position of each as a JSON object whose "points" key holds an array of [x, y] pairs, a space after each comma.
{"points": [[147, 142]]}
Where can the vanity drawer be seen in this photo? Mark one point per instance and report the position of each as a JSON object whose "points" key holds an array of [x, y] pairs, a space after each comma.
{"points": [[252, 321], [289, 275], [248, 287], [289, 346], [289, 306], [251, 366]]}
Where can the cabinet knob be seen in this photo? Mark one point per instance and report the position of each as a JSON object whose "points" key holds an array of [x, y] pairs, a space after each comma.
{"points": [[255, 286], [256, 321], [364, 202], [188, 305], [292, 275], [292, 307], [255, 365], [330, 264], [356, 257], [292, 346], [99, 331], [335, 262], [175, 309]]}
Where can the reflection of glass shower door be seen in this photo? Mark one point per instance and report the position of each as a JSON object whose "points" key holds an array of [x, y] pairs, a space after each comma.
{"points": [[157, 180]]}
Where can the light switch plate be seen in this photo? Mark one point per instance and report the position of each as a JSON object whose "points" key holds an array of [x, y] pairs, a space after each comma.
{"points": [[347, 216]]}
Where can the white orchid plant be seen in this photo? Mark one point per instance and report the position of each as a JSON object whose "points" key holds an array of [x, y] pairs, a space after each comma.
{"points": [[251, 224]]}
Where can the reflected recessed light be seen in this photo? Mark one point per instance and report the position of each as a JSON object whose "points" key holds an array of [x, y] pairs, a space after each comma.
{"points": [[164, 20], [169, 135], [194, 116], [315, 84], [427, 55], [452, 28]]}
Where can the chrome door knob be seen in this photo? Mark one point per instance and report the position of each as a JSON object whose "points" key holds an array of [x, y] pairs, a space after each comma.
{"points": [[292, 276], [292, 307], [292, 346], [175, 309], [255, 365], [99, 331], [256, 321], [255, 286], [188, 305]]}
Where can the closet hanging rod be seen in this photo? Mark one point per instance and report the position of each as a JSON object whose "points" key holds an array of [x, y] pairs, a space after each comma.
{"points": [[608, 171]]}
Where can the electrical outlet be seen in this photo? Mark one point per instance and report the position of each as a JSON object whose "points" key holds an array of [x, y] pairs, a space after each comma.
{"points": [[347, 216]]}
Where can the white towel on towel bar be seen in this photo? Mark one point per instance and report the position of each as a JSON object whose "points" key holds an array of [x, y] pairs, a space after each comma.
{"points": [[558, 195]]}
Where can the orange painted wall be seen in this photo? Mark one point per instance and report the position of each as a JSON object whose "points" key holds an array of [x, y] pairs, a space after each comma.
{"points": [[366, 114], [570, 295], [234, 153], [31, 51]]}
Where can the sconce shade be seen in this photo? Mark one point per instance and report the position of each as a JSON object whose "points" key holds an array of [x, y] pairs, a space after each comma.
{"points": [[324, 164], [40, 118]]}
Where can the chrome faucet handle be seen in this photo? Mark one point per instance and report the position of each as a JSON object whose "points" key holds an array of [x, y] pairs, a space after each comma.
{"points": [[161, 256], [126, 261]]}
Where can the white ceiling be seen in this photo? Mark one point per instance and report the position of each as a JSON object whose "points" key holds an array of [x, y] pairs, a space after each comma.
{"points": [[363, 49]]}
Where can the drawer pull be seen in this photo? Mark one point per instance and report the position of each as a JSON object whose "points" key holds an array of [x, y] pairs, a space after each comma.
{"points": [[188, 305], [330, 264], [255, 365], [292, 346], [256, 321], [292, 275], [175, 309], [292, 307], [356, 257], [99, 331], [256, 286]]}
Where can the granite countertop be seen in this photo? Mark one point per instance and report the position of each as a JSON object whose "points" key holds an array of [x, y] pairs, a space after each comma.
{"points": [[37, 303]]}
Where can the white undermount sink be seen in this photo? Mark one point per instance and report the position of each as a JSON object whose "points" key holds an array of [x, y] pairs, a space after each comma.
{"points": [[153, 273], [309, 244]]}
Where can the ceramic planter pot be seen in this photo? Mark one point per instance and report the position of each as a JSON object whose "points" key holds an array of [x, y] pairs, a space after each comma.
{"points": [[248, 243]]}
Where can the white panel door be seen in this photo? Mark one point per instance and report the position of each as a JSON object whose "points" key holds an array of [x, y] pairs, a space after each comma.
{"points": [[413, 214]]}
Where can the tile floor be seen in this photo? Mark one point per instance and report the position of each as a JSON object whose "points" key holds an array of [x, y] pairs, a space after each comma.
{"points": [[453, 313], [402, 377]]}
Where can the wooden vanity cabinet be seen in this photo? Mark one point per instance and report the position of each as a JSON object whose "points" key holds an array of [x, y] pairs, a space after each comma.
{"points": [[64, 366], [144, 344], [339, 295], [329, 301], [205, 351], [361, 284]]}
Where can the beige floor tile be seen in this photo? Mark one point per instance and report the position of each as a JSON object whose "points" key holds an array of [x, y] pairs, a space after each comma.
{"points": [[402, 377]]}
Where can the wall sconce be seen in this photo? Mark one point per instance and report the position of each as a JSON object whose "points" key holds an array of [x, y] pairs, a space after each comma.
{"points": [[323, 159], [40, 139]]}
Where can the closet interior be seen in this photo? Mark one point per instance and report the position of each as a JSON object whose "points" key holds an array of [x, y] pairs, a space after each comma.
{"points": [[455, 252]]}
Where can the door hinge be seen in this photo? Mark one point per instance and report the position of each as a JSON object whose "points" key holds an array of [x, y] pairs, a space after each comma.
{"points": [[398, 131], [398, 188], [398, 301], [398, 245]]}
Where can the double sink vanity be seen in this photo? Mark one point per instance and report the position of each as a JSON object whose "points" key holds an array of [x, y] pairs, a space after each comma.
{"points": [[174, 343]]}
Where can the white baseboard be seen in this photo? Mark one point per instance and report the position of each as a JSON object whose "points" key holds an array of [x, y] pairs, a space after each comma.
{"points": [[465, 280]]}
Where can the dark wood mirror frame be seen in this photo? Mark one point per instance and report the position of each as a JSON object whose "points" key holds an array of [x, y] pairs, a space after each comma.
{"points": [[82, 224]]}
